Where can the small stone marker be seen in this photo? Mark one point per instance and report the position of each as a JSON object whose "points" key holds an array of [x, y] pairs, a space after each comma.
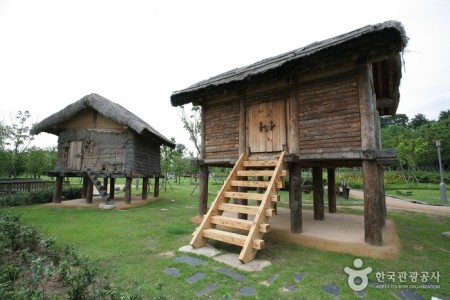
{"points": [[247, 291], [446, 234], [189, 260], [270, 280], [207, 289], [290, 288], [173, 272], [331, 289], [298, 276], [230, 273], [196, 276]]}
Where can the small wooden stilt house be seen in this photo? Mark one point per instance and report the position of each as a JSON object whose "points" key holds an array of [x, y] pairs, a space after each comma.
{"points": [[314, 107], [98, 138]]}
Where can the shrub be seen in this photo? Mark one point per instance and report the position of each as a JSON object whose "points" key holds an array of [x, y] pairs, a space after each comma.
{"points": [[72, 193]]}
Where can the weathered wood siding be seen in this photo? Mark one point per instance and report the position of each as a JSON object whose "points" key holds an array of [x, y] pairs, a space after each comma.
{"points": [[222, 130], [329, 117], [146, 157]]}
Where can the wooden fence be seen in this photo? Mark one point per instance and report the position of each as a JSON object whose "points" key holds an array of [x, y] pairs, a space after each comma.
{"points": [[27, 185]]}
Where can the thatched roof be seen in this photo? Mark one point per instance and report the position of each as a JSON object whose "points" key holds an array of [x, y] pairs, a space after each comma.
{"points": [[55, 123], [388, 31]]}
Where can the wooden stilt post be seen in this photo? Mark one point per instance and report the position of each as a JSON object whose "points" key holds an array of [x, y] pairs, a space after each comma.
{"points": [[203, 191], [382, 196], [128, 183], [105, 183], [156, 189], [295, 197], [319, 211], [144, 188], [57, 193], [331, 177], [372, 203], [89, 192], [85, 187], [112, 187]]}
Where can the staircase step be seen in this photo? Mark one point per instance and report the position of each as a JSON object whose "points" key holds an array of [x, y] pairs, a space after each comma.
{"points": [[238, 223], [248, 196], [244, 209], [248, 173], [260, 163], [255, 184], [225, 236]]}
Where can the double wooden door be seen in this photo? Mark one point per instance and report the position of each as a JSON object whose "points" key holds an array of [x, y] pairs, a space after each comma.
{"points": [[266, 126]]}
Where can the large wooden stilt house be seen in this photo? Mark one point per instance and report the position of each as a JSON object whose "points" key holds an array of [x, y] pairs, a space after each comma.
{"points": [[314, 107], [98, 138]]}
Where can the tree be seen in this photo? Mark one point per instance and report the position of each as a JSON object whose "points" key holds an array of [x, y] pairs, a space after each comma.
{"points": [[398, 119], [443, 115], [38, 161], [19, 132], [193, 124], [418, 121]]}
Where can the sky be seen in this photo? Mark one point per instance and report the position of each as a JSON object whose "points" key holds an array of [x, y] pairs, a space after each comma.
{"points": [[138, 52]]}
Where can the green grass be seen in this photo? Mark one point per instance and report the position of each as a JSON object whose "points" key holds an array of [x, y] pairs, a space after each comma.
{"points": [[129, 245], [423, 195]]}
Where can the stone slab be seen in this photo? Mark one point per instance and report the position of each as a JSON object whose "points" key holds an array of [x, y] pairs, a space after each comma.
{"points": [[246, 291], [189, 260], [289, 288], [230, 273], [207, 289], [298, 276], [196, 276], [232, 259], [207, 250], [173, 272], [331, 289]]}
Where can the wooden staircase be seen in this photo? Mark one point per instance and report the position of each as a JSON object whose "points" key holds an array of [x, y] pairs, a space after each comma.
{"points": [[100, 188], [221, 222]]}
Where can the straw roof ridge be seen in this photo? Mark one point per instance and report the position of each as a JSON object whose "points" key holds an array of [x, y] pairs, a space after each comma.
{"points": [[272, 63], [107, 108]]}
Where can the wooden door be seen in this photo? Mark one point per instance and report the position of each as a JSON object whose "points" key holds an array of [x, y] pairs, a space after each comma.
{"points": [[74, 157], [266, 126]]}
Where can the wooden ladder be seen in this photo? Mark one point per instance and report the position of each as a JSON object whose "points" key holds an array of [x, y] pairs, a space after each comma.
{"points": [[100, 188], [232, 230]]}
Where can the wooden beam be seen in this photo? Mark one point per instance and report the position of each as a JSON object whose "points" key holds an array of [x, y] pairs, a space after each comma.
{"points": [[89, 192], [331, 177], [382, 196], [319, 212], [156, 189], [242, 127], [85, 187], [57, 193], [367, 107], [295, 197], [105, 183]]}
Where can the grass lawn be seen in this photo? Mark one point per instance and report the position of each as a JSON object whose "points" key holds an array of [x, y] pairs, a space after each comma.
{"points": [[131, 246], [432, 196]]}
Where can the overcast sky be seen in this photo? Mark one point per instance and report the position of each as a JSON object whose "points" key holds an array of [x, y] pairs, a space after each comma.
{"points": [[137, 52]]}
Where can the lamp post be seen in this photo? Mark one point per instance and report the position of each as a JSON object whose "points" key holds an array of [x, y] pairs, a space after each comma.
{"points": [[442, 184]]}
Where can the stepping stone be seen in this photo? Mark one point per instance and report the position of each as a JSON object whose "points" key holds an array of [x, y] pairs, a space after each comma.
{"points": [[290, 288], [189, 260], [270, 280], [196, 277], [361, 294], [331, 289], [207, 289], [230, 273], [298, 276], [173, 272], [408, 295], [206, 250], [247, 291]]}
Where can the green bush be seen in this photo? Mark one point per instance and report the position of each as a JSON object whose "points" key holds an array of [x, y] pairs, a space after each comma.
{"points": [[72, 193]]}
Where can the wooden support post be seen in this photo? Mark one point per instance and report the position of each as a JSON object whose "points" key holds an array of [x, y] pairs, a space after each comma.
{"points": [[203, 191], [319, 211], [144, 188], [373, 214], [105, 183], [382, 196], [331, 177], [89, 192], [128, 183], [85, 187], [242, 124], [156, 189], [57, 193], [112, 188], [294, 129], [372, 208], [295, 197]]}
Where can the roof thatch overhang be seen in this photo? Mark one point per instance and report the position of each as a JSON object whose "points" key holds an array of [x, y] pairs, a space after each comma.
{"points": [[54, 124], [382, 42]]}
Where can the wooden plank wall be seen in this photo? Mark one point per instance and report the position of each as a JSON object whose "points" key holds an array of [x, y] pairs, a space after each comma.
{"points": [[329, 116], [222, 130]]}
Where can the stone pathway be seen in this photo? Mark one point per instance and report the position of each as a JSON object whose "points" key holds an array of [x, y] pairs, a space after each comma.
{"points": [[194, 276]]}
